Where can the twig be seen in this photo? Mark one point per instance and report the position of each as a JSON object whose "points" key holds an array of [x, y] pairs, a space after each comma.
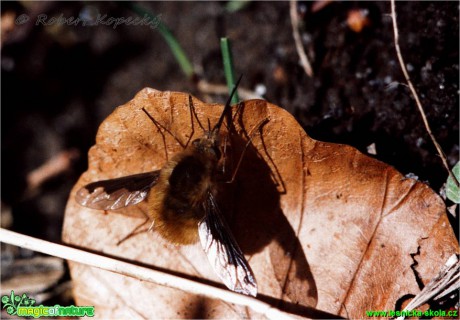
{"points": [[140, 273], [298, 43], [51, 168], [446, 282], [211, 88], [414, 93]]}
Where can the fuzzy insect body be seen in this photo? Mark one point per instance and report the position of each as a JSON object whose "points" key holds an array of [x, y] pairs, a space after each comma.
{"points": [[176, 201], [181, 203]]}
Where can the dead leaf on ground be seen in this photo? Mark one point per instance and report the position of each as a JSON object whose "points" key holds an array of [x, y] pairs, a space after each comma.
{"points": [[322, 225]]}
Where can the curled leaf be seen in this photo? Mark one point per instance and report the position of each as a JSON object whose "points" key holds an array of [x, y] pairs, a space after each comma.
{"points": [[322, 226]]}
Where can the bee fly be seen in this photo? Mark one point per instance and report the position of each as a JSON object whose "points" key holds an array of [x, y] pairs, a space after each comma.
{"points": [[181, 203]]}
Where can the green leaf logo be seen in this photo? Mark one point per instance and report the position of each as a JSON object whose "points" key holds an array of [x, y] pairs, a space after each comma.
{"points": [[13, 302]]}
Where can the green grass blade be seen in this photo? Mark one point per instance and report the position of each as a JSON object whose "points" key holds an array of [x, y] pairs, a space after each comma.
{"points": [[172, 42], [228, 67]]}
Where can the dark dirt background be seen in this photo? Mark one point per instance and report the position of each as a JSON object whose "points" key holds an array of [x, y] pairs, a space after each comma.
{"points": [[59, 82]]}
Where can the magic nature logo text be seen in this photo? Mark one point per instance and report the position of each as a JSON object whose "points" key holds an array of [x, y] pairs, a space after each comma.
{"points": [[23, 306]]}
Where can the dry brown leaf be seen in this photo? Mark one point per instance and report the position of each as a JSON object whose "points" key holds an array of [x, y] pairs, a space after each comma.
{"points": [[322, 225]]}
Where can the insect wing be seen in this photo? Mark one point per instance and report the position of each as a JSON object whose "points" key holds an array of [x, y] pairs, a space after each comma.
{"points": [[223, 252], [117, 193]]}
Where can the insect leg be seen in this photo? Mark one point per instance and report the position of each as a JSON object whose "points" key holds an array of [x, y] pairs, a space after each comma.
{"points": [[136, 231], [229, 127], [192, 115], [162, 128], [258, 127]]}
